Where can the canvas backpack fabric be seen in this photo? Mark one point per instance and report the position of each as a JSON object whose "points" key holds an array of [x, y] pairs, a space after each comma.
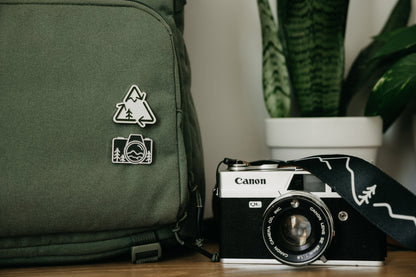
{"points": [[100, 144]]}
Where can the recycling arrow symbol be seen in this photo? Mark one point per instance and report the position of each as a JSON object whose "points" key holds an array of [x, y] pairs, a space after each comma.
{"points": [[134, 109]]}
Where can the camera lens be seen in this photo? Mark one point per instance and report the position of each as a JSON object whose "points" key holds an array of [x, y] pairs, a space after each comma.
{"points": [[296, 231], [297, 228]]}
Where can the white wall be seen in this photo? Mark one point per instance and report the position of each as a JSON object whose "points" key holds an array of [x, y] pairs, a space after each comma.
{"points": [[224, 43]]}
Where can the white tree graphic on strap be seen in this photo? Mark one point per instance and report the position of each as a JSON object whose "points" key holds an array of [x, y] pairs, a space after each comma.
{"points": [[366, 194]]}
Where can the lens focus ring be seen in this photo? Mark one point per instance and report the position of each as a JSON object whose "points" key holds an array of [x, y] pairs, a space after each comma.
{"points": [[297, 234]]}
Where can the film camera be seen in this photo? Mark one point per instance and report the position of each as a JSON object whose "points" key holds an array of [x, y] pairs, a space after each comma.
{"points": [[287, 215]]}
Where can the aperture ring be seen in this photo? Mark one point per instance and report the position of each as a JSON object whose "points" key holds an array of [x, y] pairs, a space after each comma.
{"points": [[307, 206]]}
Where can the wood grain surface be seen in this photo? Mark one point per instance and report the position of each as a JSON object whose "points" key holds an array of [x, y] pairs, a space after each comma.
{"points": [[398, 263]]}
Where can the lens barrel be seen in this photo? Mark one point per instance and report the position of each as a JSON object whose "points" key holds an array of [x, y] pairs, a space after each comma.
{"points": [[297, 228]]}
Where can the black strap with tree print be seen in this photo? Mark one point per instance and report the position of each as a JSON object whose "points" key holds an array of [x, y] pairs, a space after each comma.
{"points": [[374, 194]]}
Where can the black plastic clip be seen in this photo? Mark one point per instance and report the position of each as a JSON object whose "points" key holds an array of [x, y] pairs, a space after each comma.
{"points": [[146, 253]]}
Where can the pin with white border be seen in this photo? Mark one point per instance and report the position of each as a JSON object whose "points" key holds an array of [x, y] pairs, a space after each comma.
{"points": [[134, 109], [132, 150]]}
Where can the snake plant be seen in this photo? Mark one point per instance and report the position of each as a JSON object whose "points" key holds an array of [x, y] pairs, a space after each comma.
{"points": [[303, 60]]}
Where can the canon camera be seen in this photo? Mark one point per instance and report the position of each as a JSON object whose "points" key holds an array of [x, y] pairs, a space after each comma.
{"points": [[287, 215]]}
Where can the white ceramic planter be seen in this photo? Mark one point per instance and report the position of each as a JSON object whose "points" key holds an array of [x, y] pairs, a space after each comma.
{"points": [[294, 138]]}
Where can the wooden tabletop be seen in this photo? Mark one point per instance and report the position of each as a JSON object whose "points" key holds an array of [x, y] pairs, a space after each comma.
{"points": [[398, 263]]}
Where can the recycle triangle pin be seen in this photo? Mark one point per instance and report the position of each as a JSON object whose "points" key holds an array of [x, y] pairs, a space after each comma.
{"points": [[134, 109]]}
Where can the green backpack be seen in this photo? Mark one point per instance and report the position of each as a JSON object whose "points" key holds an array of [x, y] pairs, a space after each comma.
{"points": [[100, 144]]}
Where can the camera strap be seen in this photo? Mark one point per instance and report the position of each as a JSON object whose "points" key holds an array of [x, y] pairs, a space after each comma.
{"points": [[375, 195]]}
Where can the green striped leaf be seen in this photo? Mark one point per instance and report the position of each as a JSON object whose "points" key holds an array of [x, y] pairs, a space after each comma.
{"points": [[393, 91], [314, 32], [276, 83]]}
